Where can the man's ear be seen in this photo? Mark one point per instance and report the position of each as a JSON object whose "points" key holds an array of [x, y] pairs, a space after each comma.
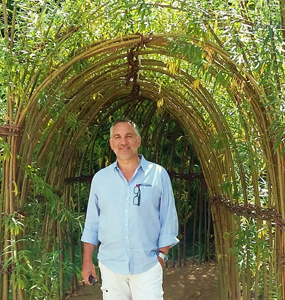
{"points": [[139, 141]]}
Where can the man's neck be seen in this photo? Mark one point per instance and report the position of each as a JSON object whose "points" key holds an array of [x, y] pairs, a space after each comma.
{"points": [[128, 166]]}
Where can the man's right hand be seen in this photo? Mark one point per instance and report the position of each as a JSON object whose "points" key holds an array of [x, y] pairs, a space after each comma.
{"points": [[87, 266], [87, 270]]}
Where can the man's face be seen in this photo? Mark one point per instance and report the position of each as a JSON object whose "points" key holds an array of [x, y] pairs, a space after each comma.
{"points": [[124, 141]]}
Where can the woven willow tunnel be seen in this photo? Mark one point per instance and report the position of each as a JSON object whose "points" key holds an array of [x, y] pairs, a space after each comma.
{"points": [[224, 117]]}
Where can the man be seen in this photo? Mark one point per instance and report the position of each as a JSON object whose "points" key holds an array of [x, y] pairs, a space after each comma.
{"points": [[131, 211]]}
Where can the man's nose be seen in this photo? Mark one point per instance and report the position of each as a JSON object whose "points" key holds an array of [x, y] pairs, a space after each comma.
{"points": [[123, 141]]}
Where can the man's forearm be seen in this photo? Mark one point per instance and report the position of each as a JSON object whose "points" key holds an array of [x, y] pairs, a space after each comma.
{"points": [[88, 252], [88, 266]]}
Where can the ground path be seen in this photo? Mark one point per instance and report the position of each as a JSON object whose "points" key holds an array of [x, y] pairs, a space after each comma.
{"points": [[191, 282]]}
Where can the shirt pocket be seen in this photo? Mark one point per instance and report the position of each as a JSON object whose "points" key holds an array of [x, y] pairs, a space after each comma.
{"points": [[150, 196]]}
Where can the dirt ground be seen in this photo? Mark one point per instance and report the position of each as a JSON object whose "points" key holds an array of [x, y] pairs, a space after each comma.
{"points": [[198, 282]]}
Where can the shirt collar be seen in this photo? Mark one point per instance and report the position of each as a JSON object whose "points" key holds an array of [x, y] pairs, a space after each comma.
{"points": [[143, 162]]}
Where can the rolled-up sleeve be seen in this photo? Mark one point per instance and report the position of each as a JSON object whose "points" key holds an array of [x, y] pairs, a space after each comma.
{"points": [[91, 227], [168, 214]]}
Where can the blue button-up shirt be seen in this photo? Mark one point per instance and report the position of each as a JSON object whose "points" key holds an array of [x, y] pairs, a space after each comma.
{"points": [[130, 235]]}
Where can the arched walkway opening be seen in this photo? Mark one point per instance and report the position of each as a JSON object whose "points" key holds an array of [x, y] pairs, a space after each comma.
{"points": [[202, 115]]}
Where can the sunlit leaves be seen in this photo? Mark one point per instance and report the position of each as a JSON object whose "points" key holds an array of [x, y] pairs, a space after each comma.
{"points": [[196, 83], [14, 224], [173, 67], [5, 152], [160, 103]]}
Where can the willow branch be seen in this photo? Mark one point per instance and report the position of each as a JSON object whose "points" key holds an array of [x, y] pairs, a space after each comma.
{"points": [[5, 16]]}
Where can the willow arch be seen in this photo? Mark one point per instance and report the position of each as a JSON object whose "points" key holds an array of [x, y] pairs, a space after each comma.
{"points": [[110, 74]]}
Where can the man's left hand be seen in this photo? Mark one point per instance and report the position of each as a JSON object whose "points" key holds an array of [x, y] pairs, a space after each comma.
{"points": [[163, 250]]}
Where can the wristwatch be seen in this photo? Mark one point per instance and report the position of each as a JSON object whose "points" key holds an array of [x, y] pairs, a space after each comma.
{"points": [[163, 256]]}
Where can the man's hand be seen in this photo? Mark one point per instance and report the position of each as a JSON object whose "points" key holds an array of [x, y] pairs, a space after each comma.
{"points": [[87, 270], [165, 251], [87, 266]]}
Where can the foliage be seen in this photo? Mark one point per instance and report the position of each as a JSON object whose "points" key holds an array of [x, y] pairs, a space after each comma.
{"points": [[34, 268]]}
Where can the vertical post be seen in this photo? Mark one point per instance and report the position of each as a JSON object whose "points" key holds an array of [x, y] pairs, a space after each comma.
{"points": [[8, 194]]}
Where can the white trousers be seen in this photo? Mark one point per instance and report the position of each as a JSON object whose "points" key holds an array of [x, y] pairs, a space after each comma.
{"points": [[142, 286]]}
